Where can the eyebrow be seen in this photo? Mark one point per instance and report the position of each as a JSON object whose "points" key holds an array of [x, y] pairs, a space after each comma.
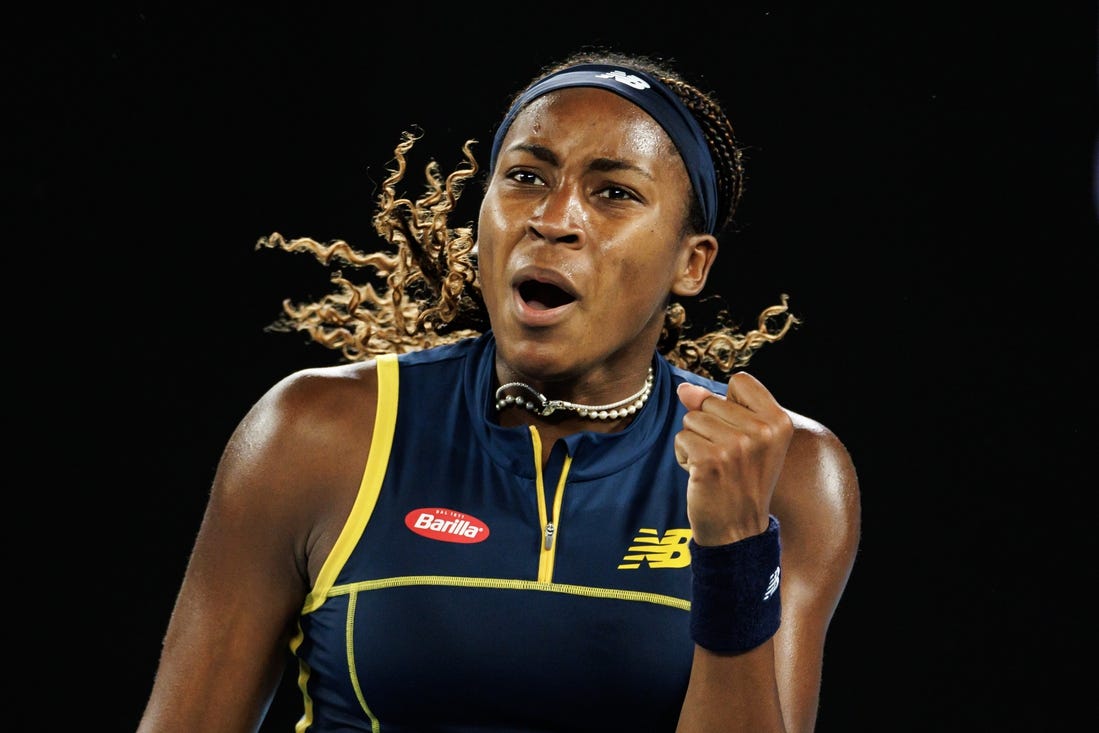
{"points": [[602, 165]]}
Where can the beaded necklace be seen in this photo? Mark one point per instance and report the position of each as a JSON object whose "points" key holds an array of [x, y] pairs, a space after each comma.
{"points": [[540, 405]]}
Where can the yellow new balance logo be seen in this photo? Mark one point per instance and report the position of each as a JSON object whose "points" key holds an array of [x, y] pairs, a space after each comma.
{"points": [[669, 551]]}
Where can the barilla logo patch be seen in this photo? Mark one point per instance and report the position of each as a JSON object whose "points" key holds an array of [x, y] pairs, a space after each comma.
{"points": [[447, 525]]}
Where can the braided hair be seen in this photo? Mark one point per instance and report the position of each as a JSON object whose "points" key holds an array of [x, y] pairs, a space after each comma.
{"points": [[420, 290]]}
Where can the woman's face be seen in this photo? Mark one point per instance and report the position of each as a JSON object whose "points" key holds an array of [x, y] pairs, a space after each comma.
{"points": [[581, 238]]}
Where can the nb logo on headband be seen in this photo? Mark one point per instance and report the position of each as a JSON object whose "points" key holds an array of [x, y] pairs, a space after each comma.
{"points": [[628, 79]]}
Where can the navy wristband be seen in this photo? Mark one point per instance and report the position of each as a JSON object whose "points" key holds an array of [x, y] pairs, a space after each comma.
{"points": [[735, 602]]}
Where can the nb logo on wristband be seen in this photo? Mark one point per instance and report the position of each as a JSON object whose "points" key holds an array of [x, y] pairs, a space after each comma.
{"points": [[772, 583]]}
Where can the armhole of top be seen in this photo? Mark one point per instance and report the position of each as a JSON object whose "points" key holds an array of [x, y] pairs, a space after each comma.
{"points": [[385, 420]]}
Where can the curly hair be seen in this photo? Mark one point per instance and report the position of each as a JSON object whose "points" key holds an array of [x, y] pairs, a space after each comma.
{"points": [[421, 290]]}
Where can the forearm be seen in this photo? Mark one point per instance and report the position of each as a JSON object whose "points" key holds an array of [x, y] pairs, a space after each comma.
{"points": [[732, 693]]}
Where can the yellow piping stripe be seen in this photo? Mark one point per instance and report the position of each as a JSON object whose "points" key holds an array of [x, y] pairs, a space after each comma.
{"points": [[537, 441], [385, 420], [512, 584], [349, 631], [545, 568], [381, 443]]}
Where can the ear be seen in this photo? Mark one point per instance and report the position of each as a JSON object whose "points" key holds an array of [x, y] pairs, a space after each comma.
{"points": [[696, 259]]}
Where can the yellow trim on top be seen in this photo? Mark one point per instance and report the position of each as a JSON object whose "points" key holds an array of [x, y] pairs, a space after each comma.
{"points": [[512, 584], [385, 421], [349, 644], [540, 497]]}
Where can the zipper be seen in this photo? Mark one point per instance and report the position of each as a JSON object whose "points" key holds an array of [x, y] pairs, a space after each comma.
{"points": [[549, 518]]}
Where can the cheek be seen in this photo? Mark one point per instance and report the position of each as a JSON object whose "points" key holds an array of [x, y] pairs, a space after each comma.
{"points": [[638, 289], [652, 267], [490, 223], [493, 215]]}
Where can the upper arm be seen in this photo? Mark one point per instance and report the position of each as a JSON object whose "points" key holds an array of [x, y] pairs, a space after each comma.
{"points": [[817, 504], [283, 486]]}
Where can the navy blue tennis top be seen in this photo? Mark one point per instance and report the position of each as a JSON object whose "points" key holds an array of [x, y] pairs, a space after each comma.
{"points": [[473, 589]]}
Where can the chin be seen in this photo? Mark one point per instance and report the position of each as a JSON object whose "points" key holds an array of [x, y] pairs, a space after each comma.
{"points": [[537, 359]]}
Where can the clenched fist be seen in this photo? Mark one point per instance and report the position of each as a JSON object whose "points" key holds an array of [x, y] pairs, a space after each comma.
{"points": [[733, 449]]}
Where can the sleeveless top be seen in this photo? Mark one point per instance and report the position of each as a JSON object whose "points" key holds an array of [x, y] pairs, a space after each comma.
{"points": [[472, 589]]}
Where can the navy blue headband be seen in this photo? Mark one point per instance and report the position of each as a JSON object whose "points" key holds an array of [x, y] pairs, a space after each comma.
{"points": [[656, 99]]}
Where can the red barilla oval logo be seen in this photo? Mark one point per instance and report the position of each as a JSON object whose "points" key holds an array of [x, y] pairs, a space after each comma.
{"points": [[447, 525]]}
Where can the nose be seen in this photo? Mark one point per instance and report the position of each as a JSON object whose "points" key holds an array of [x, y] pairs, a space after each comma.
{"points": [[559, 217]]}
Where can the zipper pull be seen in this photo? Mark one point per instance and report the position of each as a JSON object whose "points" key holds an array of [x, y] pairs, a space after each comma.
{"points": [[550, 529]]}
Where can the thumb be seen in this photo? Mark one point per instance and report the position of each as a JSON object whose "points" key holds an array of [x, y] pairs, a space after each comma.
{"points": [[692, 396]]}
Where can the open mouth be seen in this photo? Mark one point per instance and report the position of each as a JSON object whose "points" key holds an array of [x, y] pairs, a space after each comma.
{"points": [[543, 296]]}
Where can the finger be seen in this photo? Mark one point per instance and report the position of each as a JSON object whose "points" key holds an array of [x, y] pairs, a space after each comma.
{"points": [[746, 390], [748, 408], [707, 416], [692, 396], [692, 447]]}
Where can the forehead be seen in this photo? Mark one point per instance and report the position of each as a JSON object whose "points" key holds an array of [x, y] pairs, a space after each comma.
{"points": [[590, 115]]}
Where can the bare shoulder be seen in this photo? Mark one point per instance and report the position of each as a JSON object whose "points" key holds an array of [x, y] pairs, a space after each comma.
{"points": [[818, 462], [294, 463], [313, 410], [817, 502]]}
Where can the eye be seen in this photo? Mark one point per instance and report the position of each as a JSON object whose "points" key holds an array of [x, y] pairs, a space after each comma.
{"points": [[525, 177], [617, 193]]}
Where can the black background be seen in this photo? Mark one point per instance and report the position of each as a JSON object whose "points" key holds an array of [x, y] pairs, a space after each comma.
{"points": [[921, 182]]}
